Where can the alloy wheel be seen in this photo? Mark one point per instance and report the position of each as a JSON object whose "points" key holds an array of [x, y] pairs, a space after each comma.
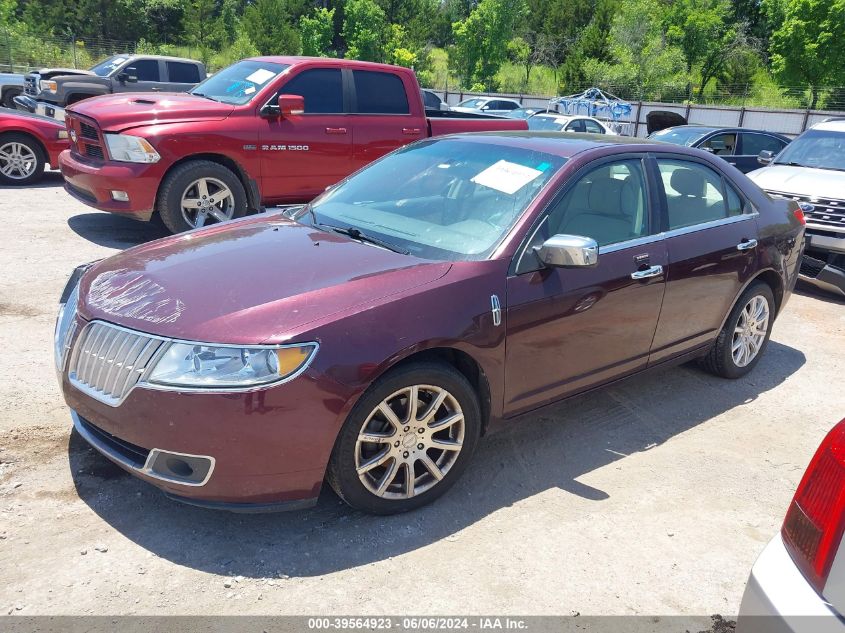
{"points": [[17, 160], [409, 442], [207, 200], [750, 331]]}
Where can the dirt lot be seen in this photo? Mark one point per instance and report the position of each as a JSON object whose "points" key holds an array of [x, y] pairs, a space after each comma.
{"points": [[651, 497]]}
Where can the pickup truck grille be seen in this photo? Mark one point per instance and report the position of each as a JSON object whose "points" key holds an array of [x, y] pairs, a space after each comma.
{"points": [[107, 361], [30, 84], [827, 212], [89, 141]]}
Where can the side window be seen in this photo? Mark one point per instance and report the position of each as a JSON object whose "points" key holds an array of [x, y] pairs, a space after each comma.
{"points": [[735, 206], [576, 126], [322, 89], [144, 69], [753, 144], [380, 93], [506, 105], [721, 144], [593, 127], [607, 204], [183, 73], [430, 100], [694, 194]]}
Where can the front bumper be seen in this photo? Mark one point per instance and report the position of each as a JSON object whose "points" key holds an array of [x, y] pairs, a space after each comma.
{"points": [[778, 599], [268, 450], [816, 266], [93, 182]]}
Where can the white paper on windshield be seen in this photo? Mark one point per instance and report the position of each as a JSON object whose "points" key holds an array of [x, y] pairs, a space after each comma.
{"points": [[261, 76], [249, 90], [506, 177]]}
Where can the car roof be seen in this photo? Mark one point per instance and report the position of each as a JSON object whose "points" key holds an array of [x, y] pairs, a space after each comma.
{"points": [[715, 128], [835, 124], [557, 144]]}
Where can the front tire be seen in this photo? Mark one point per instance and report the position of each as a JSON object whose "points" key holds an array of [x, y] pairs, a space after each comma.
{"points": [[199, 193], [407, 440], [21, 159], [745, 335]]}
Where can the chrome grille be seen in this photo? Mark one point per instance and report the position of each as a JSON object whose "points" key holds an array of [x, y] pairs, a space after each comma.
{"points": [[108, 361], [827, 212]]}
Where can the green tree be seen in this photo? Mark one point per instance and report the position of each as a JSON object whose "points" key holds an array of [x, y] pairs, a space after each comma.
{"points": [[200, 25], [481, 41], [272, 26], [317, 32], [365, 30], [809, 46]]}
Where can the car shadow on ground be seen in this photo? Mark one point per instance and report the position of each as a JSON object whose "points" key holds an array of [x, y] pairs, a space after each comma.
{"points": [[115, 231], [807, 289], [50, 179], [520, 459]]}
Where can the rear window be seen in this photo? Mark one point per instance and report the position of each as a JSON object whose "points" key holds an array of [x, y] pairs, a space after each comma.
{"points": [[380, 93], [183, 73]]}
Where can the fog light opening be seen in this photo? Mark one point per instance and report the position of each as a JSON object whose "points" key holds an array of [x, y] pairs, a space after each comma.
{"points": [[120, 196], [179, 467]]}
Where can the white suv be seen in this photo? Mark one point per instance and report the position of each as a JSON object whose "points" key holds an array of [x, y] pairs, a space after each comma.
{"points": [[811, 170]]}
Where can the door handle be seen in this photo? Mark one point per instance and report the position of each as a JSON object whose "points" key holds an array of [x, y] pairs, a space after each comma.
{"points": [[746, 245], [411, 131], [653, 271], [335, 130]]}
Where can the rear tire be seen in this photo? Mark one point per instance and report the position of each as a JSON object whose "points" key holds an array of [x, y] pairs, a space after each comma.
{"points": [[22, 159], [745, 335], [187, 199], [386, 463], [9, 96]]}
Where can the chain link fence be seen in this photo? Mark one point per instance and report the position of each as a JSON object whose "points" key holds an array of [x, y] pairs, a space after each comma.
{"points": [[21, 53]]}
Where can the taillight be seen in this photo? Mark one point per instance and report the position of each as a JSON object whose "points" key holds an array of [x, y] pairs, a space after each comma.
{"points": [[799, 215], [816, 517]]}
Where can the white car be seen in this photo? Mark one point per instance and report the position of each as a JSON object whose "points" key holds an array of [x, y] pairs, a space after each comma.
{"points": [[487, 105], [811, 170], [797, 584], [565, 123]]}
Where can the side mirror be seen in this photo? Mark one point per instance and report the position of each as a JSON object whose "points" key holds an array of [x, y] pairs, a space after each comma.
{"points": [[127, 77], [568, 251], [485, 107], [291, 105], [766, 157], [709, 150]]}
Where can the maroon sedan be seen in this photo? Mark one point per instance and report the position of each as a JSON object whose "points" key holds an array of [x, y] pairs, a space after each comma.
{"points": [[27, 143], [369, 338]]}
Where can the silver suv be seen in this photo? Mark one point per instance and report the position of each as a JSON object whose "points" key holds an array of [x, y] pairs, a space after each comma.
{"points": [[811, 170]]}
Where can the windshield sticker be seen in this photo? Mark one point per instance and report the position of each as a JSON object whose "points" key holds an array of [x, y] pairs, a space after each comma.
{"points": [[543, 166], [249, 90], [261, 76], [506, 177]]}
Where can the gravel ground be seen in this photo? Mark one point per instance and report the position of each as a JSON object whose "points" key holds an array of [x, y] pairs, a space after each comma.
{"points": [[650, 497]]}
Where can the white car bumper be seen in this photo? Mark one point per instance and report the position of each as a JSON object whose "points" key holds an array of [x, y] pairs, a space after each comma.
{"points": [[778, 599]]}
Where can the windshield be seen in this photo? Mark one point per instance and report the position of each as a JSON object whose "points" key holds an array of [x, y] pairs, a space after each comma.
{"points": [[472, 103], [822, 149], [443, 199], [680, 135], [239, 83], [551, 124], [107, 67]]}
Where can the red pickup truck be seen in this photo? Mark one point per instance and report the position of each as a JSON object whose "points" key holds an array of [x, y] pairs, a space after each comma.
{"points": [[264, 131]]}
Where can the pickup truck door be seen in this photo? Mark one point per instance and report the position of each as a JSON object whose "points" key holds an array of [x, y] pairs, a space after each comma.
{"points": [[303, 154], [384, 117], [148, 72]]}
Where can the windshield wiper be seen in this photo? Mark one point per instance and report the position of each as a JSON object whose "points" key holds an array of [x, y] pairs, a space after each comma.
{"points": [[205, 96], [356, 234]]}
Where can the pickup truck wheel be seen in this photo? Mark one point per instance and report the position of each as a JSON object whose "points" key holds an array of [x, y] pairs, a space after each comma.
{"points": [[746, 332], [407, 440], [200, 193], [21, 159], [9, 97]]}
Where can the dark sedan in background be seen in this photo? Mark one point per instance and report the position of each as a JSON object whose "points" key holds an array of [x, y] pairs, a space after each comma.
{"points": [[738, 146], [455, 282]]}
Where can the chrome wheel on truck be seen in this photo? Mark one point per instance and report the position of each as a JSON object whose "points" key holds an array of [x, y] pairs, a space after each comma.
{"points": [[207, 200], [409, 442], [407, 439], [198, 193], [21, 159]]}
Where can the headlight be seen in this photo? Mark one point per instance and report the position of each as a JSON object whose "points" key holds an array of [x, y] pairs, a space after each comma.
{"points": [[131, 149], [199, 366], [63, 134], [46, 84]]}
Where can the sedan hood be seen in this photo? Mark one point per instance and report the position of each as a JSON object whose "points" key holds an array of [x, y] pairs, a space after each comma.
{"points": [[804, 181], [248, 282], [116, 113]]}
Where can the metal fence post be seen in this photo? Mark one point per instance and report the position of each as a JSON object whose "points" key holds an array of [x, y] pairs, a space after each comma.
{"points": [[73, 48], [9, 46]]}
